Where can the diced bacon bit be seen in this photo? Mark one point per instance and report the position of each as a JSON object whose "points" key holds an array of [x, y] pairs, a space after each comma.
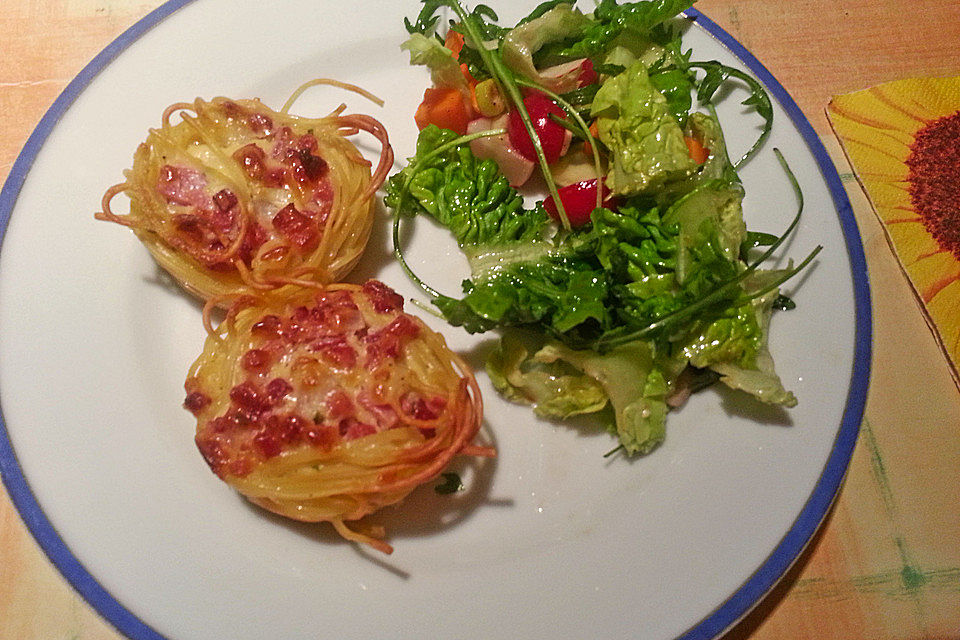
{"points": [[223, 216], [351, 429], [214, 453], [225, 200], [277, 431], [310, 167], [204, 231], [288, 145], [387, 342], [384, 414], [183, 186], [283, 143], [294, 329], [337, 298], [231, 109], [253, 160], [259, 123], [299, 155], [253, 239], [415, 405], [335, 314], [240, 467], [383, 298], [245, 396], [267, 327], [223, 221], [196, 230], [339, 404], [227, 422], [253, 402], [323, 199], [322, 436], [299, 229], [336, 351], [302, 326], [277, 390], [292, 427], [255, 360], [196, 401], [267, 443]]}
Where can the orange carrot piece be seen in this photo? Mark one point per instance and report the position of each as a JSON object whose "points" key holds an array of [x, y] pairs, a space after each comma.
{"points": [[593, 132], [698, 153], [472, 84], [454, 42], [444, 107]]}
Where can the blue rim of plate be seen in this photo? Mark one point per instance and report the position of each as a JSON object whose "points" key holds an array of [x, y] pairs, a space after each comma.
{"points": [[732, 610]]}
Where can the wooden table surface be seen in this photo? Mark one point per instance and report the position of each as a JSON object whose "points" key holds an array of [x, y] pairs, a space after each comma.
{"points": [[886, 564]]}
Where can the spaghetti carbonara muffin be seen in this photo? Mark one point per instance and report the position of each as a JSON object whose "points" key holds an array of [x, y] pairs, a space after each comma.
{"points": [[236, 196], [326, 404]]}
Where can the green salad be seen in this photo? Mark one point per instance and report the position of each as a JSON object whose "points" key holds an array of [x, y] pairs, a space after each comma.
{"points": [[634, 280]]}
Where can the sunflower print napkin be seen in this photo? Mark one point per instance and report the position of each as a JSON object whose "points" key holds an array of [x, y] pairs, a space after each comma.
{"points": [[903, 141]]}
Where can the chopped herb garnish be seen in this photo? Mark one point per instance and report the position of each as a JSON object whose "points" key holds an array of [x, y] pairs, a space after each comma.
{"points": [[451, 483]]}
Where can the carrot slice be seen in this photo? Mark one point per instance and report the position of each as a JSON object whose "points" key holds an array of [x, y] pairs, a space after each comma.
{"points": [[454, 42], [444, 107], [593, 132], [698, 153]]}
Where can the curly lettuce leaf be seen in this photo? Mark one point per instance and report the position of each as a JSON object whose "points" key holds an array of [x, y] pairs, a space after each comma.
{"points": [[522, 42], [733, 338], [444, 67], [469, 196], [756, 375], [557, 293], [636, 386], [553, 391], [635, 123], [711, 211]]}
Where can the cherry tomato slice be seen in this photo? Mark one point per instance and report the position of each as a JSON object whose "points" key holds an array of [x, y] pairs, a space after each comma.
{"points": [[551, 134], [579, 200]]}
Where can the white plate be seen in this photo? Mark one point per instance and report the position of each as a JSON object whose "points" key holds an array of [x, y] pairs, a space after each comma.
{"points": [[553, 540]]}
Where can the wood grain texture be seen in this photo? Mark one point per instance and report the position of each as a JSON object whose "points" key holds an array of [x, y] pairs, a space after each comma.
{"points": [[886, 566]]}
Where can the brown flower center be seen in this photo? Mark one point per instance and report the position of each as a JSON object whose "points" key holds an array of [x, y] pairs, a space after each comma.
{"points": [[934, 178]]}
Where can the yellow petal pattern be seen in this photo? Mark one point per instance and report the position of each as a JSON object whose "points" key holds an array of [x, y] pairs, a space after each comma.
{"points": [[877, 128]]}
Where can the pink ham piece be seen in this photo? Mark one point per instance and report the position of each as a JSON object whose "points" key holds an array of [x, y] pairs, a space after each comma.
{"points": [[184, 186]]}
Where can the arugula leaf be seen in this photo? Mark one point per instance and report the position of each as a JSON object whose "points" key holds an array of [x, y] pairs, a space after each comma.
{"points": [[612, 19], [426, 20], [716, 74], [784, 303]]}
